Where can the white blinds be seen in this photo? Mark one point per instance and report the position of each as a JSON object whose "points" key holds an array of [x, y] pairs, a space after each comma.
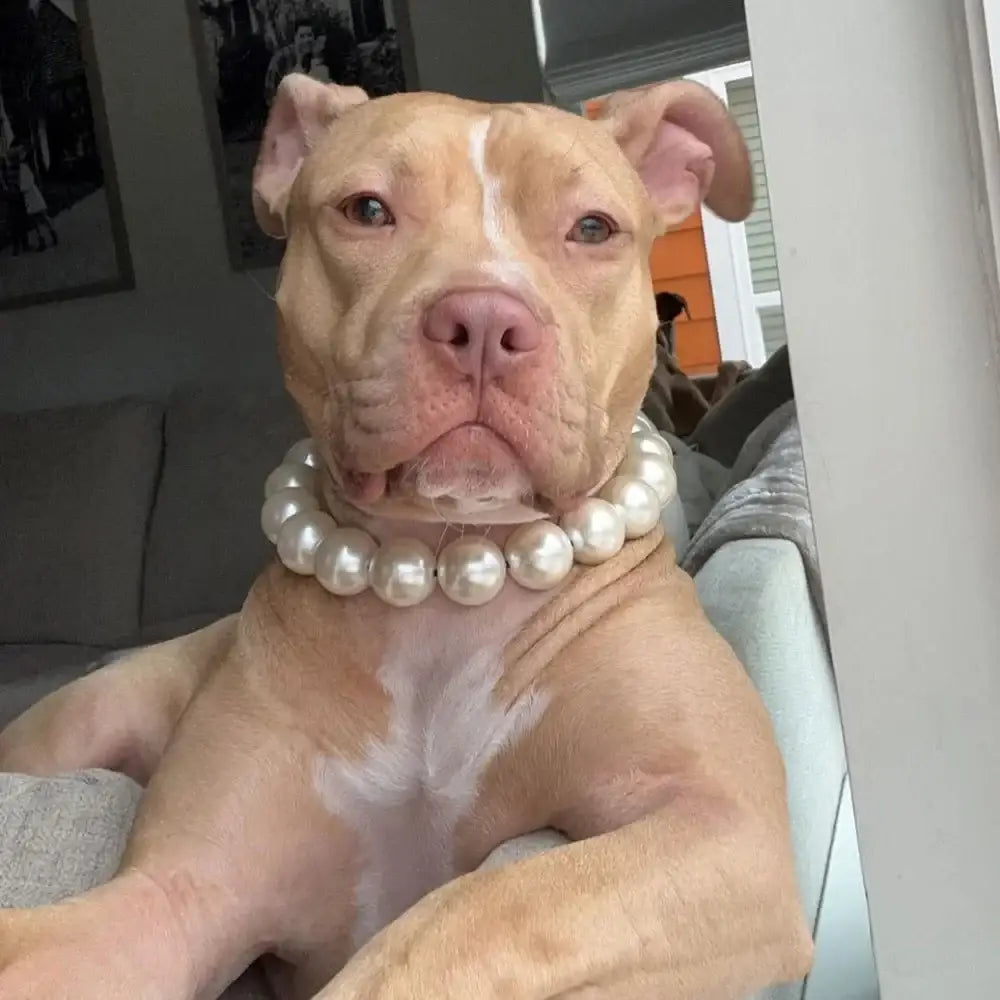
{"points": [[772, 327], [742, 99], [760, 236]]}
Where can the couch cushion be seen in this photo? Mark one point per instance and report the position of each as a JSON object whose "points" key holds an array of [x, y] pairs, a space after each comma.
{"points": [[29, 672], [723, 431], [60, 836], [205, 543], [755, 592], [76, 487]]}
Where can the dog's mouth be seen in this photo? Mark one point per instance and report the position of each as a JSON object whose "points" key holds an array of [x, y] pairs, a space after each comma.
{"points": [[469, 471]]}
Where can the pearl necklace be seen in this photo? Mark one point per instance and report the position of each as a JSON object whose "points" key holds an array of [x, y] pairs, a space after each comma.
{"points": [[470, 570]]}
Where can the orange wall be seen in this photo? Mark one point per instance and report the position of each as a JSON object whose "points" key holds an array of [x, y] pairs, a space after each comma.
{"points": [[679, 264]]}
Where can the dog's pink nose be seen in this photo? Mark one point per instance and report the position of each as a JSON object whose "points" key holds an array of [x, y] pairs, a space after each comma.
{"points": [[482, 333]]}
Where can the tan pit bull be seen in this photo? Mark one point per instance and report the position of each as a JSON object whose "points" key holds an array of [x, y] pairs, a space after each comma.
{"points": [[466, 321]]}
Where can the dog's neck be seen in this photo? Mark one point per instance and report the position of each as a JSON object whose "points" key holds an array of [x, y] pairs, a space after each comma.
{"points": [[406, 550], [432, 523]]}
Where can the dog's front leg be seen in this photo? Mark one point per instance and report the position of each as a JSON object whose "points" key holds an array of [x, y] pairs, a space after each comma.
{"points": [[599, 920], [121, 941], [122, 716], [659, 760], [679, 905], [230, 856]]}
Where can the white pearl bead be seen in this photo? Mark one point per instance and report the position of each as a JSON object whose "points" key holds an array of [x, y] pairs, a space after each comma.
{"points": [[299, 538], [402, 572], [280, 506], [290, 475], [304, 452], [638, 503], [650, 444], [539, 555], [471, 571], [596, 531], [643, 425], [342, 561], [652, 469]]}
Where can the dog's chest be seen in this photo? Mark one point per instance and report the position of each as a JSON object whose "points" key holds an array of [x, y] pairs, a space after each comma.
{"points": [[406, 796]]}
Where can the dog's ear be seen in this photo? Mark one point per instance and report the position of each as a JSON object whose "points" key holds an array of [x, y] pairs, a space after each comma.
{"points": [[301, 109], [686, 148]]}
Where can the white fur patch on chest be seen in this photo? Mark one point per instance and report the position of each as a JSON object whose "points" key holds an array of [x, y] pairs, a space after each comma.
{"points": [[407, 794]]}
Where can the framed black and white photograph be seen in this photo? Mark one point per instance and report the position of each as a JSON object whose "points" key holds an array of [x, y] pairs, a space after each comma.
{"points": [[247, 47], [61, 228]]}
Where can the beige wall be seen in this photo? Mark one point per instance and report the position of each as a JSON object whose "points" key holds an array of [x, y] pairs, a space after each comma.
{"points": [[476, 49]]}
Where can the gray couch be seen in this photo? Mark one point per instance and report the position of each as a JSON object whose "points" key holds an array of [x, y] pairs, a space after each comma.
{"points": [[130, 522], [127, 522]]}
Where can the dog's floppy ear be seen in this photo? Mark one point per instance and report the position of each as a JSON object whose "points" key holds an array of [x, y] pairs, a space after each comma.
{"points": [[686, 148], [301, 109]]}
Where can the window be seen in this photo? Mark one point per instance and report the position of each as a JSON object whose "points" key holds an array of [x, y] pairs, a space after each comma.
{"points": [[741, 258]]}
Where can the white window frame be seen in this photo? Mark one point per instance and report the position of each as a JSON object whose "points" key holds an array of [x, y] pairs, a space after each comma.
{"points": [[737, 305], [894, 113]]}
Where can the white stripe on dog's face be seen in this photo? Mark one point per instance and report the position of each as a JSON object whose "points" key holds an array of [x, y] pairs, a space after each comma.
{"points": [[503, 263]]}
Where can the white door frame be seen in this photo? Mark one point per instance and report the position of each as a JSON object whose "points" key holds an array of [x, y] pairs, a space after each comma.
{"points": [[736, 316], [883, 157]]}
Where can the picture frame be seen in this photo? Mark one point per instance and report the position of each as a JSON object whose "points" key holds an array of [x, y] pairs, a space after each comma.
{"points": [[243, 48], [62, 228]]}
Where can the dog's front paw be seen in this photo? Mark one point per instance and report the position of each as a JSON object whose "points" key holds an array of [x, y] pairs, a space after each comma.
{"points": [[37, 959], [414, 958], [54, 953]]}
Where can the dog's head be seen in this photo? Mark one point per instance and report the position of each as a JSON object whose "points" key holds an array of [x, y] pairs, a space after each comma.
{"points": [[466, 317]]}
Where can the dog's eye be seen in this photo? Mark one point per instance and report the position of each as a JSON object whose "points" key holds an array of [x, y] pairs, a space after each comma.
{"points": [[592, 229], [367, 210]]}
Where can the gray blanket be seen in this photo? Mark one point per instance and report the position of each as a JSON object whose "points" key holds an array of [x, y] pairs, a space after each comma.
{"points": [[766, 498]]}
